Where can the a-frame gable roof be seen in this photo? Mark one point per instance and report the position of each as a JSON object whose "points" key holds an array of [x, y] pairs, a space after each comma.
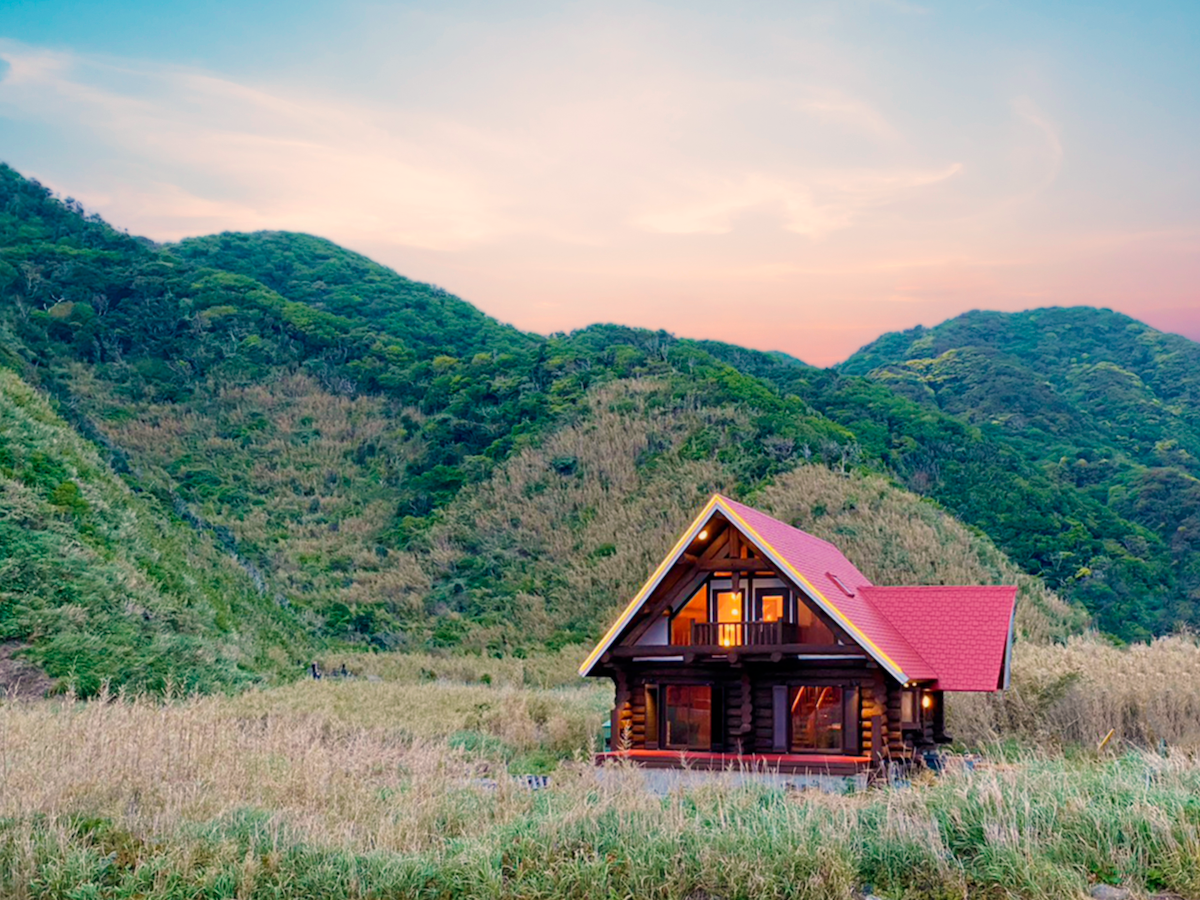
{"points": [[834, 584], [814, 565]]}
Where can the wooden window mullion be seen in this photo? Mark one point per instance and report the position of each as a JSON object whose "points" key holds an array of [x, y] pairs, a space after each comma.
{"points": [[651, 716], [779, 705]]}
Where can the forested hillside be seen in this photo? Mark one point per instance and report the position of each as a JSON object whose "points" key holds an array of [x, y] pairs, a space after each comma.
{"points": [[374, 461], [106, 585], [1093, 401]]}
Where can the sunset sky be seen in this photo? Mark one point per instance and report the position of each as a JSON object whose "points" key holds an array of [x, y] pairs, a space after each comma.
{"points": [[793, 176]]}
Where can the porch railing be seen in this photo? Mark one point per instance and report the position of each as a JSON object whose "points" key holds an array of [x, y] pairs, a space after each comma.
{"points": [[743, 634]]}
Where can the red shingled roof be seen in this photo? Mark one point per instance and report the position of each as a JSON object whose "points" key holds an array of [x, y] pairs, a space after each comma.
{"points": [[962, 632], [818, 561], [956, 636]]}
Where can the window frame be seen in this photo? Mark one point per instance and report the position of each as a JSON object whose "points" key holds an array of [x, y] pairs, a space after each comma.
{"points": [[783, 695], [914, 721], [715, 706], [789, 603]]}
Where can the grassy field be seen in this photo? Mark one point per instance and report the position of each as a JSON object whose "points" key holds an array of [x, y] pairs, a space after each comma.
{"points": [[399, 785]]}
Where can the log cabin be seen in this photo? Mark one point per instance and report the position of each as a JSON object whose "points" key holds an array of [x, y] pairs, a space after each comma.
{"points": [[756, 646]]}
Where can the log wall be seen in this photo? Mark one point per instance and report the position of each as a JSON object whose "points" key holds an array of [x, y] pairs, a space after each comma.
{"points": [[745, 694]]}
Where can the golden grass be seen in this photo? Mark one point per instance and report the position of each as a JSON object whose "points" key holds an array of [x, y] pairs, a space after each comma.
{"points": [[1074, 693], [344, 789], [562, 720], [540, 670], [352, 764]]}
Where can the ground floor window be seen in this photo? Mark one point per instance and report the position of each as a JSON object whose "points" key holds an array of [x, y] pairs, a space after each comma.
{"points": [[687, 716], [818, 718]]}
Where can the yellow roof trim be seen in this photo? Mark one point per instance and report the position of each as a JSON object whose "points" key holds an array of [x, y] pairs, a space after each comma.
{"points": [[830, 608], [650, 585], [714, 503]]}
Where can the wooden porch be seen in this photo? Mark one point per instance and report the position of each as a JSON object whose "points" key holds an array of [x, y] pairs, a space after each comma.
{"points": [[781, 763], [744, 634]]}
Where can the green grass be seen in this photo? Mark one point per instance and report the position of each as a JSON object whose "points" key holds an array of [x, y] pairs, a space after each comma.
{"points": [[1038, 829], [373, 789]]}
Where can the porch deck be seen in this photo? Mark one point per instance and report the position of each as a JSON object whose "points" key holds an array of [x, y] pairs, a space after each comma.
{"points": [[782, 763]]}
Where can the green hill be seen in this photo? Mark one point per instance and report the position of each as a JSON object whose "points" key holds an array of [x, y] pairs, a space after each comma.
{"points": [[398, 470], [329, 278], [100, 584], [1095, 402]]}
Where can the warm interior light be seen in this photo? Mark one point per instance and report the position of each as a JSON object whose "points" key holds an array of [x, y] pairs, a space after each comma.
{"points": [[703, 535], [926, 702]]}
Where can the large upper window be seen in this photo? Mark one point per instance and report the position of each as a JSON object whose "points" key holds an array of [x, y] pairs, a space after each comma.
{"points": [[729, 606], [730, 615], [696, 610], [687, 716], [817, 718], [812, 629]]}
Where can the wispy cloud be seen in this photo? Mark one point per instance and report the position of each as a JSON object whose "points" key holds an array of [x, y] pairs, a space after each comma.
{"points": [[228, 154], [813, 207], [843, 167], [251, 158], [1042, 155], [839, 108]]}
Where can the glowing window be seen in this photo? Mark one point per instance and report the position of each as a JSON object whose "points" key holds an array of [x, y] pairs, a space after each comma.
{"points": [[696, 610], [817, 715], [772, 607], [729, 606], [687, 716], [730, 615]]}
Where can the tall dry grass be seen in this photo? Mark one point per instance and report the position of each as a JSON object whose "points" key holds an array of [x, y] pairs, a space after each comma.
{"points": [[1075, 693], [287, 796], [353, 765], [540, 670]]}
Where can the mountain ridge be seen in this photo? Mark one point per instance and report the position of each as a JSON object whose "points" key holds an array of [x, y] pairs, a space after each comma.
{"points": [[1089, 396], [336, 424]]}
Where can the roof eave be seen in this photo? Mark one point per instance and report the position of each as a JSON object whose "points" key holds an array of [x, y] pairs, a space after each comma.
{"points": [[647, 589], [715, 503]]}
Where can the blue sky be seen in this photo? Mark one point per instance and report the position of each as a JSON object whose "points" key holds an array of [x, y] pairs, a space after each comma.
{"points": [[799, 176]]}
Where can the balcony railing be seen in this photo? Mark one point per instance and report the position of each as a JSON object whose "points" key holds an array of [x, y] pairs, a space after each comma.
{"points": [[743, 634]]}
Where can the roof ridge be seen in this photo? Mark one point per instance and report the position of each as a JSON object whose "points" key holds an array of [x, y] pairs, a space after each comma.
{"points": [[899, 630], [807, 534]]}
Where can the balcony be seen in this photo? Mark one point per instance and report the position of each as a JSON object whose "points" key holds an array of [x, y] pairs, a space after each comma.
{"points": [[744, 634]]}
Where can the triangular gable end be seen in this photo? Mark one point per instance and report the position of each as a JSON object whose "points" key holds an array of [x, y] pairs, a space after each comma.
{"points": [[719, 504]]}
